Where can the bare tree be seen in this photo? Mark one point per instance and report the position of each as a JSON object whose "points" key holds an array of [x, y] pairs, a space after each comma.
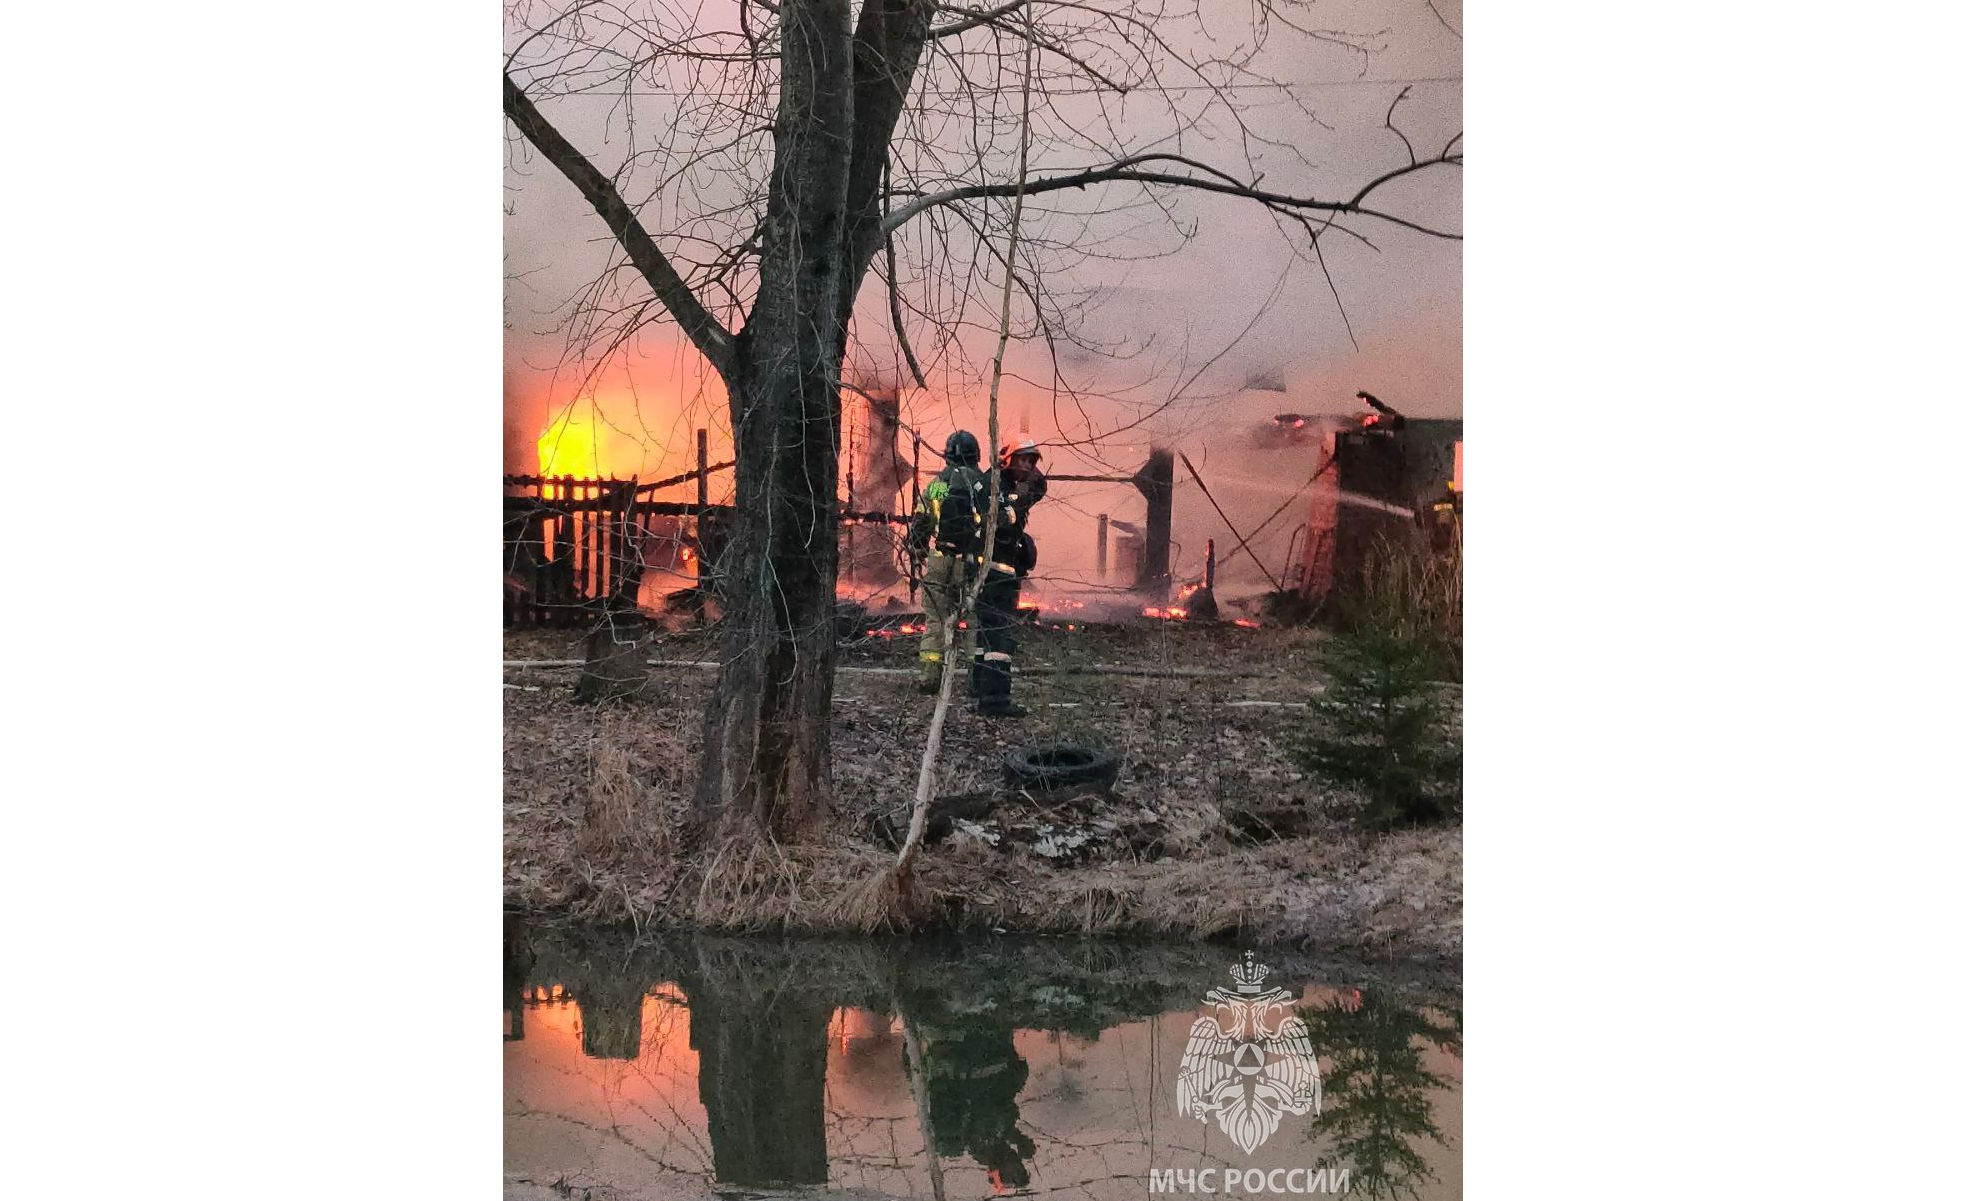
{"points": [[779, 150]]}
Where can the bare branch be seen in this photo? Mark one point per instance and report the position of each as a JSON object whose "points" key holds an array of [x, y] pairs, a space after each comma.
{"points": [[713, 340], [973, 18], [895, 303], [1389, 121], [1442, 20], [1129, 170]]}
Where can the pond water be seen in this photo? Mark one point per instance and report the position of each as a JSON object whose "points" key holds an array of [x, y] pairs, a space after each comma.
{"points": [[698, 1067]]}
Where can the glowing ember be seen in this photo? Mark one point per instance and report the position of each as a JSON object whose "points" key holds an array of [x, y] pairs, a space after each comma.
{"points": [[902, 631], [1051, 604], [1172, 613], [1246, 622]]}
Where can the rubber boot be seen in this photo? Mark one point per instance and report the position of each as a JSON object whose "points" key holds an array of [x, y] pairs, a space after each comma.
{"points": [[995, 691]]}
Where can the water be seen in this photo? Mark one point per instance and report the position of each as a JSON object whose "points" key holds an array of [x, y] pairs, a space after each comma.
{"points": [[950, 1069]]}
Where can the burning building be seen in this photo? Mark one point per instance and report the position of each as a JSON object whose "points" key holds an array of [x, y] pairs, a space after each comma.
{"points": [[580, 540], [1381, 476]]}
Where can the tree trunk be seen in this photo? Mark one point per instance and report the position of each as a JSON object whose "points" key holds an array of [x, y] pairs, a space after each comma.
{"points": [[616, 663], [766, 749]]}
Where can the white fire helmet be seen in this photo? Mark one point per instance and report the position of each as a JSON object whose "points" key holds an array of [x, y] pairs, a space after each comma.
{"points": [[1023, 445]]}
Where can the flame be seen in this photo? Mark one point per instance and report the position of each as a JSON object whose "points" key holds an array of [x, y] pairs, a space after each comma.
{"points": [[569, 445], [1172, 613], [1246, 622]]}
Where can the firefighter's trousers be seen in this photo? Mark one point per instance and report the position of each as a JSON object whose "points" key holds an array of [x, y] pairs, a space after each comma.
{"points": [[998, 609], [944, 582]]}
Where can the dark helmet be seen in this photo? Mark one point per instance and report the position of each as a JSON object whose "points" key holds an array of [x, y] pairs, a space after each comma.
{"points": [[962, 447]]}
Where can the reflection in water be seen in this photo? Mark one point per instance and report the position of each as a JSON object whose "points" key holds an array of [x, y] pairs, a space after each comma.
{"points": [[974, 1078], [761, 1043], [1378, 1115], [930, 1069]]}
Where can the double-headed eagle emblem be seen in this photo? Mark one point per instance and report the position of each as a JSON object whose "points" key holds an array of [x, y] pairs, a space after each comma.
{"points": [[1249, 1060]]}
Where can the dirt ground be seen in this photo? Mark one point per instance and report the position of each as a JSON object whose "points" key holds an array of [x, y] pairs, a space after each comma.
{"points": [[1213, 828]]}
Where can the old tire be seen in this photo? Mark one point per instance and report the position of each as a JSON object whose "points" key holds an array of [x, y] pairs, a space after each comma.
{"points": [[1061, 767]]}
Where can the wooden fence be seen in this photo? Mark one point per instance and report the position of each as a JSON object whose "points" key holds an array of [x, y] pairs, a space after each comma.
{"points": [[574, 546]]}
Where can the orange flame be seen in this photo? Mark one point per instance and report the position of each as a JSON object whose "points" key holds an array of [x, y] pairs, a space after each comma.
{"points": [[569, 445]]}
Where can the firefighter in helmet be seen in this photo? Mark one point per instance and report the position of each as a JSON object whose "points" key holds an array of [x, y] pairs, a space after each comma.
{"points": [[946, 536], [1013, 555]]}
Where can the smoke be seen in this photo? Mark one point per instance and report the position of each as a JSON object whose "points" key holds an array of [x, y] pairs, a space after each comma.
{"points": [[1195, 342]]}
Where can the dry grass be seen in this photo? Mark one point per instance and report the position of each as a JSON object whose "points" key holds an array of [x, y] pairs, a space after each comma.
{"points": [[630, 802], [1407, 901], [1414, 591], [751, 886], [596, 798]]}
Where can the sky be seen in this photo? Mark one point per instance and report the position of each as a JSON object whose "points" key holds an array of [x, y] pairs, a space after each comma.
{"points": [[1201, 318]]}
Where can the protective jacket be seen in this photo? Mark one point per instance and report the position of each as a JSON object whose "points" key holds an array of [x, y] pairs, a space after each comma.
{"points": [[949, 518], [1013, 546]]}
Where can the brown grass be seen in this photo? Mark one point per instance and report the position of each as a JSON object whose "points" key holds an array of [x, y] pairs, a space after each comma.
{"points": [[629, 804], [596, 799], [1421, 588], [1415, 592], [1290, 892]]}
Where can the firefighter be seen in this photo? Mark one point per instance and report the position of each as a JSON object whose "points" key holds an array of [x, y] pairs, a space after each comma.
{"points": [[946, 536], [1445, 519], [1014, 554]]}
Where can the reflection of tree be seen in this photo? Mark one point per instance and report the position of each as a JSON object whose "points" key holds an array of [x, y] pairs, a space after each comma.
{"points": [[974, 1075], [515, 961], [760, 1032], [611, 1013], [1377, 1107]]}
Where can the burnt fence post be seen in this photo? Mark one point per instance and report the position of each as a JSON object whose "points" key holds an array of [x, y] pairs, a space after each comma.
{"points": [[1157, 483]]}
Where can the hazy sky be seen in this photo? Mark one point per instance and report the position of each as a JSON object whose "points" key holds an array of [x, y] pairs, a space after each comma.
{"points": [[1404, 302]]}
